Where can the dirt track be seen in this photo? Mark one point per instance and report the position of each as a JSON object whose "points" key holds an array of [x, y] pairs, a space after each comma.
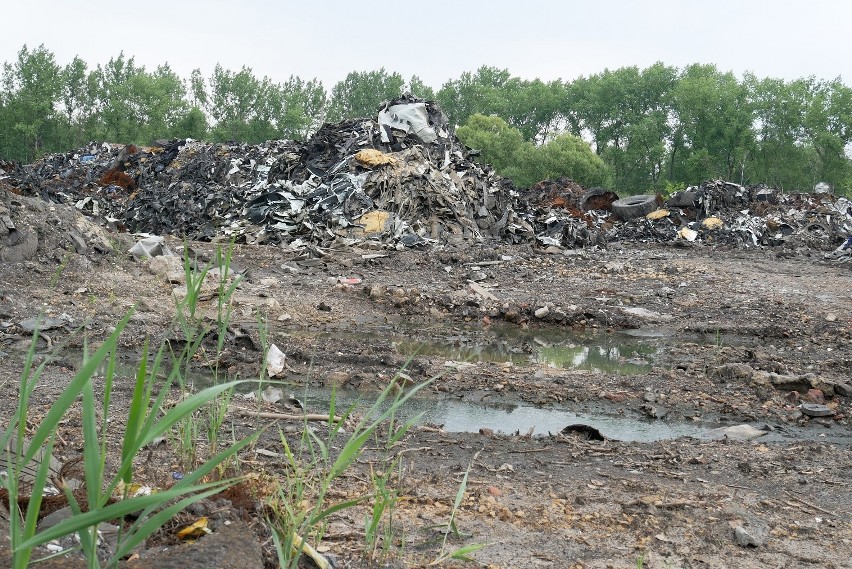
{"points": [[750, 332]]}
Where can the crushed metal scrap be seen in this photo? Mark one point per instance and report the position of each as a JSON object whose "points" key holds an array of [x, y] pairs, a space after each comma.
{"points": [[400, 180], [719, 212]]}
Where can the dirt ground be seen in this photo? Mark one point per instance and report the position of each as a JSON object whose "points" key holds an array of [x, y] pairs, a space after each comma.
{"points": [[748, 337]]}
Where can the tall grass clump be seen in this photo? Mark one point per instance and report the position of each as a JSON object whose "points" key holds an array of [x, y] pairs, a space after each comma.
{"points": [[302, 506], [149, 417]]}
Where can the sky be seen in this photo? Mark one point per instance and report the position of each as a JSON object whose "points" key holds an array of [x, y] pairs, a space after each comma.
{"points": [[438, 40]]}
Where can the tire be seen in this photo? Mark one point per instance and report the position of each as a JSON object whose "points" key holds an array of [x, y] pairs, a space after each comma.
{"points": [[632, 207], [598, 198]]}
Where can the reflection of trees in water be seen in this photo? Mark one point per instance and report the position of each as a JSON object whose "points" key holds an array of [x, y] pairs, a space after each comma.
{"points": [[464, 350], [605, 358]]}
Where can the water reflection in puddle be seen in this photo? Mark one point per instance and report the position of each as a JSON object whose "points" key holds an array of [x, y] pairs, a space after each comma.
{"points": [[612, 353], [459, 417]]}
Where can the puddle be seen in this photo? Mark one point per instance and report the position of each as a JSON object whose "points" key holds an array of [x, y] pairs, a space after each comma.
{"points": [[462, 417], [457, 416], [612, 353]]}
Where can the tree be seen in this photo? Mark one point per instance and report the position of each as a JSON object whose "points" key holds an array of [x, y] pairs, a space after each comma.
{"points": [[566, 155], [626, 114], [303, 106], [418, 88], [192, 125], [828, 128], [536, 108], [781, 157], [713, 135], [29, 123], [503, 146], [482, 92], [233, 102], [362, 93]]}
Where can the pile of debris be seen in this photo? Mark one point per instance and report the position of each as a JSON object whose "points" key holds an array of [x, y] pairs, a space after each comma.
{"points": [[719, 212], [564, 214], [401, 179]]}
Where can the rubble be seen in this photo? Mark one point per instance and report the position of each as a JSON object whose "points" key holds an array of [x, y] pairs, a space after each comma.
{"points": [[399, 180]]}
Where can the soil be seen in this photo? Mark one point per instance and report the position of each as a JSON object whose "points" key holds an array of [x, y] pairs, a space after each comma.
{"points": [[753, 334]]}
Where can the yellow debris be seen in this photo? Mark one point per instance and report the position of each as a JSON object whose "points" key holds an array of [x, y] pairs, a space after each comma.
{"points": [[712, 223], [688, 234], [194, 530], [658, 214], [371, 157], [374, 221]]}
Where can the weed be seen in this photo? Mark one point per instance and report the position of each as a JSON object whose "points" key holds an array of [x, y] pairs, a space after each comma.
{"points": [[147, 419], [194, 331], [57, 274], [461, 553], [312, 473]]}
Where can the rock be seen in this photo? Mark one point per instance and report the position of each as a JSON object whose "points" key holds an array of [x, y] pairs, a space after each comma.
{"points": [[743, 432], [831, 317], [513, 316], [735, 371], [168, 266], [752, 537], [815, 410], [646, 314], [784, 382], [814, 396], [831, 387], [542, 312]]}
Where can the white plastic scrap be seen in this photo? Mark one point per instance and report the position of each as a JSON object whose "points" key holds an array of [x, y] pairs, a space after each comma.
{"points": [[274, 361], [150, 246], [408, 118]]}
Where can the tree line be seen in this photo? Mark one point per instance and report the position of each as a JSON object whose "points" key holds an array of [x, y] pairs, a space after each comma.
{"points": [[634, 130]]}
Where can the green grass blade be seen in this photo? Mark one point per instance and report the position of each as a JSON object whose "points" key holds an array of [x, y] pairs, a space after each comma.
{"points": [[115, 511], [153, 523], [66, 399]]}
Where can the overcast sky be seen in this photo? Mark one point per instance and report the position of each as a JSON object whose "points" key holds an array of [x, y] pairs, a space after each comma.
{"points": [[438, 39]]}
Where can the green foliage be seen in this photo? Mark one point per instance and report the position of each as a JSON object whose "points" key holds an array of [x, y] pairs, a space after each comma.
{"points": [[483, 92], [501, 145], [626, 112], [192, 125], [461, 553], [361, 94], [29, 124], [504, 147], [714, 135], [148, 418], [650, 126], [313, 470], [567, 155]]}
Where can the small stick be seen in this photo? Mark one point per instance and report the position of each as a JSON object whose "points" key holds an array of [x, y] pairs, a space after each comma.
{"points": [[286, 417], [808, 504]]}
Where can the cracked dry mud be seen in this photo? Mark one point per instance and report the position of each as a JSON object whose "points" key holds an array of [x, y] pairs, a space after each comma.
{"points": [[751, 335]]}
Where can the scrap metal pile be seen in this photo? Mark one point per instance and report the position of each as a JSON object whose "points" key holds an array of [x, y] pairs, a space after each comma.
{"points": [[400, 180], [719, 212]]}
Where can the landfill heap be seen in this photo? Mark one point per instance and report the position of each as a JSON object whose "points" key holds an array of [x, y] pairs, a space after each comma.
{"points": [[402, 179], [564, 214], [720, 212]]}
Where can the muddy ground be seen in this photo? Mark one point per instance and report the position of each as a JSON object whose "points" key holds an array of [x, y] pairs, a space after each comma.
{"points": [[747, 336]]}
